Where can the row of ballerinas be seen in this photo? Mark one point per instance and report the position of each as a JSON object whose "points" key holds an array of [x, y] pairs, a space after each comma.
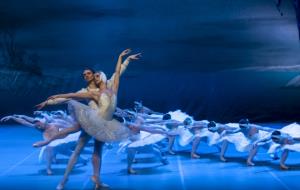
{"points": [[245, 136], [149, 128], [95, 119]]}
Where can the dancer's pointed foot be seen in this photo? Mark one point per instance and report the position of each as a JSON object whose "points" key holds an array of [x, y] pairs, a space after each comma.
{"points": [[60, 186], [223, 159], [98, 183], [49, 172], [195, 156], [250, 163], [101, 186], [40, 144], [284, 167], [131, 171]]}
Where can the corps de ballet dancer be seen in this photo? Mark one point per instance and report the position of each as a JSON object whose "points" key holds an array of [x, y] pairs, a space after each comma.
{"points": [[49, 127], [285, 139], [243, 135]]}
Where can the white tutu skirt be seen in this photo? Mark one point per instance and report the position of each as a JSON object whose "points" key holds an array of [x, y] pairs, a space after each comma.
{"points": [[242, 143], [147, 139], [97, 127], [140, 140], [185, 136], [294, 131], [72, 138]]}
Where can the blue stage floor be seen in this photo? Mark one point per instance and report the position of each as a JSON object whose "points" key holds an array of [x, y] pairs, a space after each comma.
{"points": [[19, 169]]}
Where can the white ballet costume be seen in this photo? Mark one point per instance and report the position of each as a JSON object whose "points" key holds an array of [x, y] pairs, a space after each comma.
{"points": [[293, 130], [240, 141], [98, 123]]}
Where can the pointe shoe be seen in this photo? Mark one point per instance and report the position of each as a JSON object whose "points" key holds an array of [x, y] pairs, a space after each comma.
{"points": [[49, 172], [249, 163], [223, 159], [98, 183], [284, 167], [131, 171], [60, 186], [101, 186], [40, 144], [195, 156]]}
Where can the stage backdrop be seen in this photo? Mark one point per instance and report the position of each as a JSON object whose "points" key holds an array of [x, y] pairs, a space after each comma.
{"points": [[219, 60]]}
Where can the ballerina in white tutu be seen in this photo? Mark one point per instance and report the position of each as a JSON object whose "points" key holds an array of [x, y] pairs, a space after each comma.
{"points": [[218, 131], [96, 120], [285, 140], [199, 131], [49, 126], [142, 139], [287, 143], [172, 127], [244, 136]]}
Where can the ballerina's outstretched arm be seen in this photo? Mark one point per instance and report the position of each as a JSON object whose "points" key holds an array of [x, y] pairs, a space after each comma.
{"points": [[123, 68], [229, 130], [25, 117], [116, 79], [268, 129], [154, 130], [60, 135], [18, 120], [263, 140]]}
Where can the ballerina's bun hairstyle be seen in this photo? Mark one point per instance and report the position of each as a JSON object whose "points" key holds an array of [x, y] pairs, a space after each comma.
{"points": [[166, 116], [188, 121], [211, 124], [275, 135], [244, 121]]}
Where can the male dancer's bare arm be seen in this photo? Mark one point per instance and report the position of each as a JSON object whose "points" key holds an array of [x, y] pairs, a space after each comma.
{"points": [[55, 101]]}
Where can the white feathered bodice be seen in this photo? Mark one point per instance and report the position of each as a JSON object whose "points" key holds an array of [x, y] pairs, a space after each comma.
{"points": [[107, 104]]}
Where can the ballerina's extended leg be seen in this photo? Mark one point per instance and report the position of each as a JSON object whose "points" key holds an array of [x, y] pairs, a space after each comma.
{"points": [[61, 134]]}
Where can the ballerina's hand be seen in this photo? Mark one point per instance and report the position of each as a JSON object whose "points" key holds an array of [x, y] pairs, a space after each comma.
{"points": [[125, 52], [41, 105], [6, 118], [134, 57]]}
